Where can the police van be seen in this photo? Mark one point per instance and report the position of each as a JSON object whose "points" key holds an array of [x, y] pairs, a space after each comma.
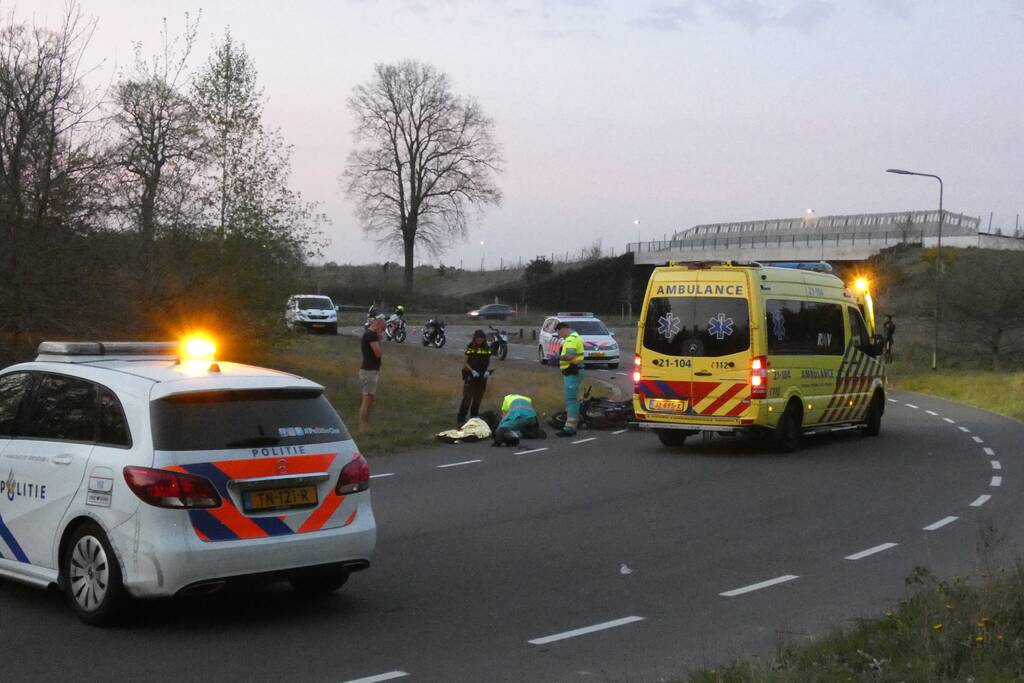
{"points": [[736, 347], [152, 469]]}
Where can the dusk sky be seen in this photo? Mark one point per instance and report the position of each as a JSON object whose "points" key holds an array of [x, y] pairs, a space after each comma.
{"points": [[673, 113]]}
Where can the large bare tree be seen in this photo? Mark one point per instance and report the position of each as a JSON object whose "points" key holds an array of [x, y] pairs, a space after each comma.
{"points": [[425, 158]]}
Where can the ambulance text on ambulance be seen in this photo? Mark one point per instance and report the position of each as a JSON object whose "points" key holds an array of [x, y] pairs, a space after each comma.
{"points": [[699, 290]]}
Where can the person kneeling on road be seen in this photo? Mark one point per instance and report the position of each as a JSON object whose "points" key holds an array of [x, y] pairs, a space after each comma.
{"points": [[475, 372], [570, 362], [519, 420]]}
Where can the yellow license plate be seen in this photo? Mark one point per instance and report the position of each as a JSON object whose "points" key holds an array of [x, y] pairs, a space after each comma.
{"points": [[280, 499], [666, 405], [597, 354]]}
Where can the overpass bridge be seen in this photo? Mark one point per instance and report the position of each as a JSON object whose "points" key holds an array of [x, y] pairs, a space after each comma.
{"points": [[827, 238]]}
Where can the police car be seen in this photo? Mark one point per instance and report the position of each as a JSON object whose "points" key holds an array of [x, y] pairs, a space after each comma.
{"points": [[599, 345], [150, 469], [311, 312]]}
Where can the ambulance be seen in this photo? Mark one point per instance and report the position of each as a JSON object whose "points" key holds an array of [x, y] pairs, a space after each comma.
{"points": [[780, 350]]}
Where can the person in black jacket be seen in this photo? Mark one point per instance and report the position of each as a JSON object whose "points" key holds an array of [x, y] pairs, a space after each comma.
{"points": [[475, 372]]}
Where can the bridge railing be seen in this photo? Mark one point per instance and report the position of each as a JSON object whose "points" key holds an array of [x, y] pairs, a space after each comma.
{"points": [[880, 238]]}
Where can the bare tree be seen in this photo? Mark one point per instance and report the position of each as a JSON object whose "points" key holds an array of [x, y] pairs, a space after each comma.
{"points": [[424, 157], [158, 133]]}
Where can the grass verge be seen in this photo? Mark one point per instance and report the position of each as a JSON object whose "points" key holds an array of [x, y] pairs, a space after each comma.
{"points": [[999, 392], [948, 631], [420, 389]]}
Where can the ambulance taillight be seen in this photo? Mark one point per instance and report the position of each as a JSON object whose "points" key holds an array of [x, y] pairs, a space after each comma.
{"points": [[759, 377], [636, 369]]}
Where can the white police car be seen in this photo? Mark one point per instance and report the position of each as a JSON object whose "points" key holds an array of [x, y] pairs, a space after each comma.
{"points": [[145, 469], [599, 345], [311, 312]]}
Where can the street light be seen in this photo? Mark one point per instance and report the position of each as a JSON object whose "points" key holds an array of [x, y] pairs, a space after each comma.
{"points": [[938, 262]]}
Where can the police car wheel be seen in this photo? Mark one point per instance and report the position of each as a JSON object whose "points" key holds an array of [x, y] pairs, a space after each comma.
{"points": [[873, 420], [787, 433], [318, 580], [540, 355], [92, 576]]}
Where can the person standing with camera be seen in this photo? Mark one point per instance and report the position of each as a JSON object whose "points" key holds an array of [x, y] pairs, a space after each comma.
{"points": [[475, 371], [570, 362]]}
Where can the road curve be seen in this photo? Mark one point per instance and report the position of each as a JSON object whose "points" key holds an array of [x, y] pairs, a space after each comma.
{"points": [[607, 558]]}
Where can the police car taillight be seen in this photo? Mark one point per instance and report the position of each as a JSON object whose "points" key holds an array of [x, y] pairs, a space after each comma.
{"points": [[759, 377], [166, 489], [355, 477]]}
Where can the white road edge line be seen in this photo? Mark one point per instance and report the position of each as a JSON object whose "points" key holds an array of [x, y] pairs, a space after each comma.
{"points": [[988, 451], [758, 586], [996, 465], [589, 438], [621, 431], [932, 412], [382, 475], [978, 439], [389, 676], [871, 551], [965, 430], [941, 523], [457, 464], [952, 422], [531, 450], [981, 500], [996, 481], [584, 631], [910, 405]]}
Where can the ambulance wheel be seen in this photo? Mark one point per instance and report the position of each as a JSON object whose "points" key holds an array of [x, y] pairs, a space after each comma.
{"points": [[318, 580], [92, 576], [873, 420], [787, 432], [673, 438]]}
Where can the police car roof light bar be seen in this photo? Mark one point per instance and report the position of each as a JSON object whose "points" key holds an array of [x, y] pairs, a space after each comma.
{"points": [[77, 349], [575, 314]]}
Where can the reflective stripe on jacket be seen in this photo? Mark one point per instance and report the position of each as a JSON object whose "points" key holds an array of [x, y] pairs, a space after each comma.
{"points": [[572, 351]]}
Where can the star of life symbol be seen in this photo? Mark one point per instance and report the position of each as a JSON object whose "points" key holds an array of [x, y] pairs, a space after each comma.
{"points": [[779, 325], [720, 327], [669, 325]]}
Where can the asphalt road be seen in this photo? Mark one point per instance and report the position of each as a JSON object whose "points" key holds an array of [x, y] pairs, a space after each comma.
{"points": [[607, 558]]}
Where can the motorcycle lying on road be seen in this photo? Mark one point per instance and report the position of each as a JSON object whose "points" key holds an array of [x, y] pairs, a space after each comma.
{"points": [[498, 341], [433, 333], [394, 330], [598, 412]]}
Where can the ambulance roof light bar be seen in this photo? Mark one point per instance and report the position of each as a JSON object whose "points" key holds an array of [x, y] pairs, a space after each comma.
{"points": [[815, 266]]}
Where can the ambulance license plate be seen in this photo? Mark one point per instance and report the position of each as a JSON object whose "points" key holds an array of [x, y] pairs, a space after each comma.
{"points": [[666, 405], [279, 499]]}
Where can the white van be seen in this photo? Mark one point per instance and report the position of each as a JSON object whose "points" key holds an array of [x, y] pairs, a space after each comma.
{"points": [[311, 312]]}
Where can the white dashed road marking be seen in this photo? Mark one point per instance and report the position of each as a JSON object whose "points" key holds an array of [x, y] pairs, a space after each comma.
{"points": [[996, 465], [910, 405], [996, 481], [621, 431], [978, 439], [532, 450], [932, 412], [457, 464], [892, 400], [379, 678], [624, 374], [965, 430], [981, 500], [952, 422], [589, 438], [585, 630], [988, 451], [382, 475], [758, 586], [871, 551], [941, 523]]}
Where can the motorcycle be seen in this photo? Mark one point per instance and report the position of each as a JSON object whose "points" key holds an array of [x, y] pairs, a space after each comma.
{"points": [[498, 341], [433, 333], [598, 412], [394, 330]]}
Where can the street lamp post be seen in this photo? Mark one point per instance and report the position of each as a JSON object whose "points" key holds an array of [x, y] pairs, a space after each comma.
{"points": [[938, 263]]}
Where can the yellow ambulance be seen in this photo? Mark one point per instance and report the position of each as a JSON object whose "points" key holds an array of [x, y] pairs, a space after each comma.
{"points": [[736, 347]]}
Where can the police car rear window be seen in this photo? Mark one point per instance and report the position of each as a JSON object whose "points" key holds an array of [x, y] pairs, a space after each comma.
{"points": [[261, 418], [697, 326]]}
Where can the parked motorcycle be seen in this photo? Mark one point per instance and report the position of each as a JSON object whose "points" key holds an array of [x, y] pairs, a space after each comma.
{"points": [[433, 333], [394, 330], [498, 341], [598, 413]]}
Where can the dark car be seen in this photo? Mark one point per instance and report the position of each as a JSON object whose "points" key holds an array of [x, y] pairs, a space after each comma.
{"points": [[493, 312]]}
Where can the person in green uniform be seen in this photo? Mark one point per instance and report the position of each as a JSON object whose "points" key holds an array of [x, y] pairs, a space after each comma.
{"points": [[570, 362]]}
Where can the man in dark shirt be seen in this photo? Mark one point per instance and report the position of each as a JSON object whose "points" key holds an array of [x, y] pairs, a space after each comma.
{"points": [[369, 370], [474, 375]]}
